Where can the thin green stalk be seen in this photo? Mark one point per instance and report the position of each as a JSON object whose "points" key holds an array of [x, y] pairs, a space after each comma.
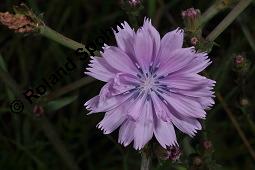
{"points": [[59, 38], [146, 160], [68, 88], [228, 19], [248, 35], [249, 120], [213, 10], [236, 125], [209, 13]]}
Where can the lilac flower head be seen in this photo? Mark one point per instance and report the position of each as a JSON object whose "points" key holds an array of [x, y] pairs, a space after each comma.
{"points": [[152, 85]]}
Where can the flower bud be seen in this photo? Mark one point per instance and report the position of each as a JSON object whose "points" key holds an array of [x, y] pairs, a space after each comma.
{"points": [[241, 64], [191, 19], [239, 60], [194, 41]]}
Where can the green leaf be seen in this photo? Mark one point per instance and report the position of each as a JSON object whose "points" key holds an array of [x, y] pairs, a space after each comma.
{"points": [[60, 103]]}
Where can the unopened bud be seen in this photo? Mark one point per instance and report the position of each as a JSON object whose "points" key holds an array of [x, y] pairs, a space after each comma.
{"points": [[239, 59], [191, 13], [191, 19], [241, 64], [194, 41]]}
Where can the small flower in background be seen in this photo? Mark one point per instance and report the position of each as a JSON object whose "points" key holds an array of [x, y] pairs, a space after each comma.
{"points": [[239, 60], [152, 85], [241, 64]]}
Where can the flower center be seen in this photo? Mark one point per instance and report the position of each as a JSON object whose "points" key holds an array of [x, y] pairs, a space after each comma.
{"points": [[148, 83]]}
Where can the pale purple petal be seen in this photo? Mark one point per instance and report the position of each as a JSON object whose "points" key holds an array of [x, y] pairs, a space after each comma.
{"points": [[171, 41], [125, 38], [105, 104], [184, 106], [165, 133], [100, 69], [92, 103], [187, 125], [190, 85], [159, 107], [126, 132], [119, 60], [206, 102], [112, 120], [177, 60], [155, 36], [143, 48], [144, 127], [198, 64], [136, 107]]}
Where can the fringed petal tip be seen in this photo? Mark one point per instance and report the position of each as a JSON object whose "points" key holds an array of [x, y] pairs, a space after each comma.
{"points": [[179, 30], [195, 131], [122, 26], [100, 127]]}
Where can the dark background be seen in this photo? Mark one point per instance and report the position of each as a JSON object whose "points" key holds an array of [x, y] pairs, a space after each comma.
{"points": [[24, 137]]}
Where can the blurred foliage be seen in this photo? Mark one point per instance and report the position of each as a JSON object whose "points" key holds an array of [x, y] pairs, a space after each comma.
{"points": [[28, 59]]}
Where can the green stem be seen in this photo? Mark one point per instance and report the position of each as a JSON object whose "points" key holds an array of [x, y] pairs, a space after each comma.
{"points": [[146, 160], [213, 10], [59, 38], [228, 19], [209, 14], [249, 120], [235, 123], [248, 35]]}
